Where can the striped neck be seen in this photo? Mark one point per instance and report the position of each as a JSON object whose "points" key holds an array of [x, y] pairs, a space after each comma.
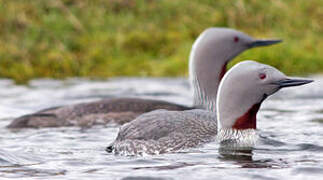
{"points": [[237, 139], [201, 98], [205, 85]]}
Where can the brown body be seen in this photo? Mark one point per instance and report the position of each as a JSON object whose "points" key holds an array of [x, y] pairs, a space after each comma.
{"points": [[117, 110]]}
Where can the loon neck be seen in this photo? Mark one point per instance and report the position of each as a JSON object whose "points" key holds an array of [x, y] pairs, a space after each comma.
{"points": [[249, 119], [239, 131], [205, 77]]}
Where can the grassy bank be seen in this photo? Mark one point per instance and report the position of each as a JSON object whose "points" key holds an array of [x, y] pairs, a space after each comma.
{"points": [[105, 38]]}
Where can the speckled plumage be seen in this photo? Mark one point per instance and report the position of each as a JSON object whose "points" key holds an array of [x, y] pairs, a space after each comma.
{"points": [[163, 131], [117, 110]]}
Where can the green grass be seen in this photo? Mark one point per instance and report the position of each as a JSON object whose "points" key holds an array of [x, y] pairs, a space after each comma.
{"points": [[105, 38]]}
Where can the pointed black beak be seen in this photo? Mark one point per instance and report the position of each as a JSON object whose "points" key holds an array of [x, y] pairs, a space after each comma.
{"points": [[292, 82], [258, 43]]}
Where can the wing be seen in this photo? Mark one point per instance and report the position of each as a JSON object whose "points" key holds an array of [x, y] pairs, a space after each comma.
{"points": [[165, 131], [159, 124]]}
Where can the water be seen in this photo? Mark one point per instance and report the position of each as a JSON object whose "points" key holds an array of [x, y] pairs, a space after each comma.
{"points": [[290, 127]]}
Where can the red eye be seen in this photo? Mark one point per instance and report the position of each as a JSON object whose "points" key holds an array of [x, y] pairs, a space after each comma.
{"points": [[262, 76], [236, 39]]}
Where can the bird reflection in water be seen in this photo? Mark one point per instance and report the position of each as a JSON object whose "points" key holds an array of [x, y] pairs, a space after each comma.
{"points": [[243, 156]]}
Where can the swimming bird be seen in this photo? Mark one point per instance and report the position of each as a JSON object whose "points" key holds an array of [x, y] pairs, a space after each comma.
{"points": [[241, 92], [210, 53]]}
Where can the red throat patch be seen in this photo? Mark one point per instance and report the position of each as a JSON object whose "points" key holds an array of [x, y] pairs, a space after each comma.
{"points": [[223, 71], [248, 120]]}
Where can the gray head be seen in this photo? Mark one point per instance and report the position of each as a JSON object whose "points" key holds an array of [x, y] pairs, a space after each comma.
{"points": [[210, 53], [243, 89]]}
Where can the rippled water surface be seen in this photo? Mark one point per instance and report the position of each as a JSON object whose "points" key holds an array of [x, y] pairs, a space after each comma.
{"points": [[290, 127]]}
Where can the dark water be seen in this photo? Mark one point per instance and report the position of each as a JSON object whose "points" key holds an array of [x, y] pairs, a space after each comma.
{"points": [[290, 128]]}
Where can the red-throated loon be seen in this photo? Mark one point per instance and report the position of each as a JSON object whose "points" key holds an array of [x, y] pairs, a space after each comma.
{"points": [[241, 92]]}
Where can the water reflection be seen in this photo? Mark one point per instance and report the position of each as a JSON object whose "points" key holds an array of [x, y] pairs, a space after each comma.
{"points": [[169, 166], [244, 158], [239, 156]]}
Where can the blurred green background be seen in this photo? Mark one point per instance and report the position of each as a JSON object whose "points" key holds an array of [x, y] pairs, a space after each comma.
{"points": [[105, 38]]}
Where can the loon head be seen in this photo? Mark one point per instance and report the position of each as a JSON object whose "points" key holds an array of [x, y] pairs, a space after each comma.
{"points": [[223, 44], [211, 53], [241, 92]]}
